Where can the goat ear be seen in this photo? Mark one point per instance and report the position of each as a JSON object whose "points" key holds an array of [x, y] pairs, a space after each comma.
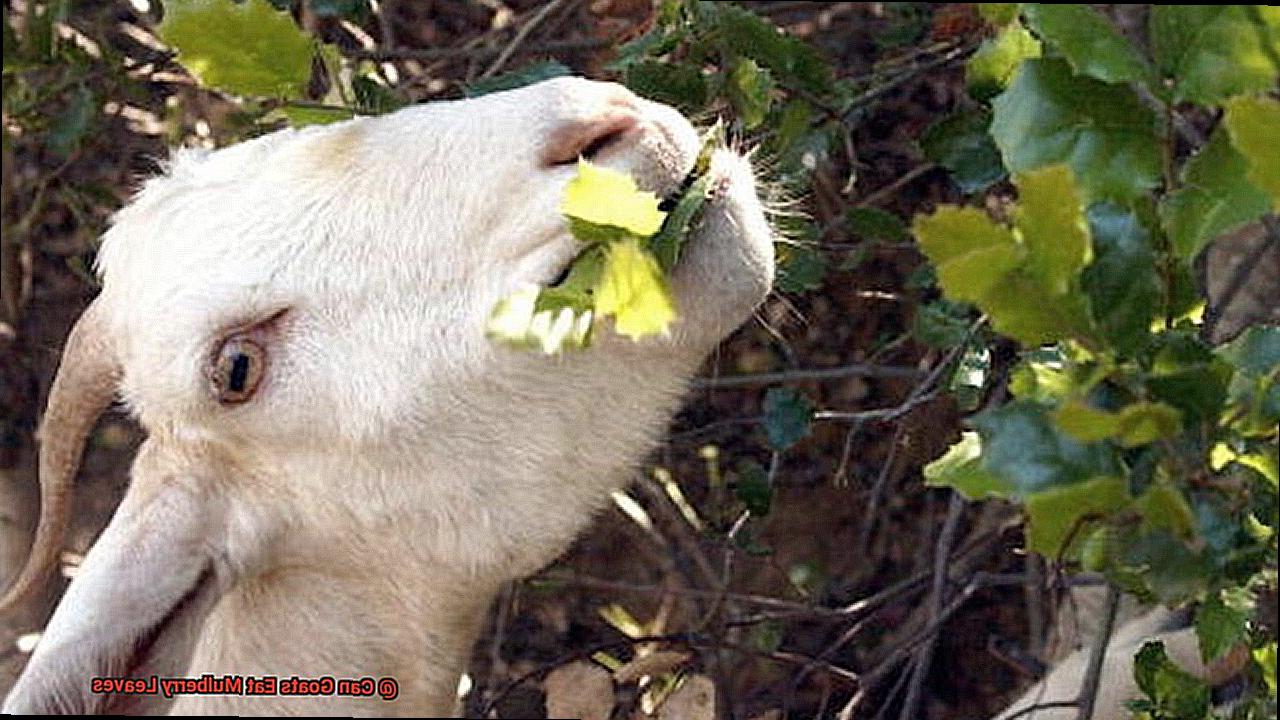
{"points": [[134, 608]]}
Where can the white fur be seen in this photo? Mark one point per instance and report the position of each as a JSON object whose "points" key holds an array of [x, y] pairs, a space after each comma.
{"points": [[1116, 683], [357, 515]]}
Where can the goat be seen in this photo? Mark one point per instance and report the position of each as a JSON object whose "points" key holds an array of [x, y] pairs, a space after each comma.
{"points": [[1059, 689], [341, 470]]}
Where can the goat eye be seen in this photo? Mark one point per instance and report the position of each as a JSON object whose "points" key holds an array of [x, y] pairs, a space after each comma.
{"points": [[237, 370]]}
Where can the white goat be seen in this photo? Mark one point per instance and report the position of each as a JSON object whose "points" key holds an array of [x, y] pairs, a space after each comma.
{"points": [[341, 469], [1116, 683]]}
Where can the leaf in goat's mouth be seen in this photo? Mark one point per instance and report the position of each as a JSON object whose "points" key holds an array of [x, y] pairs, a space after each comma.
{"points": [[631, 243]]}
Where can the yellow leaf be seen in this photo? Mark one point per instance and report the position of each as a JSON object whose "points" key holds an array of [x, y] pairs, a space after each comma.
{"points": [[602, 196], [634, 292]]}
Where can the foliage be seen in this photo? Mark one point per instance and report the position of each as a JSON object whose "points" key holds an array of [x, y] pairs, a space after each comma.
{"points": [[616, 274], [780, 96], [1135, 447]]}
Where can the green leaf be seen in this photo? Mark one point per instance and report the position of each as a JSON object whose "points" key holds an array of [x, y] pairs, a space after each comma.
{"points": [[304, 115], [961, 144], [1255, 352], [1186, 375], [1054, 514], [800, 267], [41, 30], [1021, 445], [749, 89], [529, 75], [1164, 507], [602, 196], [1050, 219], [1042, 382], [997, 59], [1086, 423], [675, 84], [1176, 692], [941, 323], [875, 224], [788, 417], [794, 63], [971, 252], [792, 128], [1111, 141], [1143, 423], [1089, 42], [1254, 125], [961, 469], [1216, 196], [1212, 52], [1222, 622], [1138, 424], [71, 127], [666, 245], [374, 98], [633, 290], [998, 14], [753, 488], [1121, 282], [243, 48], [1172, 571], [1265, 657], [1098, 551], [982, 262], [8, 44], [1022, 309]]}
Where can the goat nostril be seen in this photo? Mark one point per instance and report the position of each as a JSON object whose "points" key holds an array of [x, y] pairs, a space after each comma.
{"points": [[595, 146], [587, 137]]}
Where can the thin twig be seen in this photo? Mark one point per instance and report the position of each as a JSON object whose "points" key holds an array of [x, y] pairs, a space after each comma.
{"points": [[885, 192], [947, 57], [920, 394], [877, 490], [885, 414], [1098, 654], [520, 37], [478, 52], [587, 581], [1033, 565], [1240, 275], [941, 560], [1042, 706], [806, 374]]}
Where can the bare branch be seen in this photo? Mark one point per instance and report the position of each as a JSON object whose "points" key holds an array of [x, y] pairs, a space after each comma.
{"points": [[1097, 654], [473, 53], [941, 560], [806, 374], [520, 37]]}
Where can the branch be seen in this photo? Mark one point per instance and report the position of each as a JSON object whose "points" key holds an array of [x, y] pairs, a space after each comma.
{"points": [[473, 53], [520, 37], [1097, 654], [941, 558], [805, 374], [1240, 274], [1042, 706]]}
